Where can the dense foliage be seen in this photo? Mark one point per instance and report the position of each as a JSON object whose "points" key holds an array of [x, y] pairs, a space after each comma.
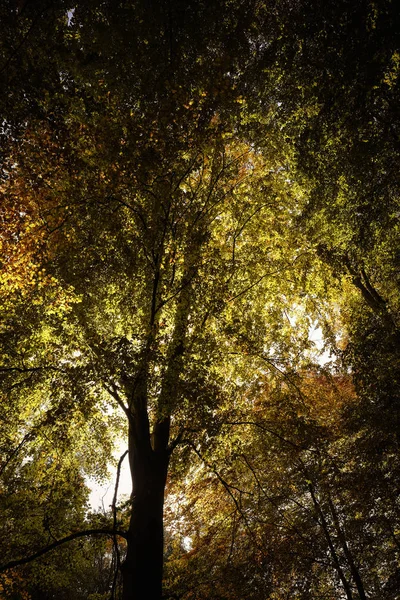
{"points": [[192, 193]]}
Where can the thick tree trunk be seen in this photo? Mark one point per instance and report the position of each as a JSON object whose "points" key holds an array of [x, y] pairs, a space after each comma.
{"points": [[143, 567]]}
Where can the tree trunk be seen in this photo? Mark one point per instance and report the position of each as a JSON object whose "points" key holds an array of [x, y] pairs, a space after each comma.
{"points": [[149, 452], [143, 567]]}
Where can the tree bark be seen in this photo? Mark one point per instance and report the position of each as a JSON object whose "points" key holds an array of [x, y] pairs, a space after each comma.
{"points": [[143, 567]]}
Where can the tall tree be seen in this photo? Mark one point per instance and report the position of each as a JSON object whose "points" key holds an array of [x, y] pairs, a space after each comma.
{"points": [[158, 238]]}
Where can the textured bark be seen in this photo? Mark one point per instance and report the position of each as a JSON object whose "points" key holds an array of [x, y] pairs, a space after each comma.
{"points": [[143, 567]]}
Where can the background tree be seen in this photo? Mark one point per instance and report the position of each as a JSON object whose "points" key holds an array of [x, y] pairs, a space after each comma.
{"points": [[278, 503]]}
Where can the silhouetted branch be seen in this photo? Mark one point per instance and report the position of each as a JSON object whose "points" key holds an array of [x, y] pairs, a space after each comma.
{"points": [[50, 547], [114, 510]]}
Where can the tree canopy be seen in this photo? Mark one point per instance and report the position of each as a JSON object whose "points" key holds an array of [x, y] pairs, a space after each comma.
{"points": [[192, 194]]}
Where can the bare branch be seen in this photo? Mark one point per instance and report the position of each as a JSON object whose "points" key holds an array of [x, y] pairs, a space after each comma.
{"points": [[114, 511], [114, 502], [50, 547]]}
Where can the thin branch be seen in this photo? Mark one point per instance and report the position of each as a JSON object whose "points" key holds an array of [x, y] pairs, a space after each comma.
{"points": [[280, 270], [335, 557], [249, 287], [14, 452], [228, 488], [68, 538], [114, 511], [178, 291], [248, 219], [114, 502], [187, 172], [134, 210], [283, 374], [291, 525], [272, 432], [114, 393]]}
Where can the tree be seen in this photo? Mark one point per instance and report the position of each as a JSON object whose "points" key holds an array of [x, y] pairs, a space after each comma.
{"points": [[171, 241], [149, 244], [143, 327]]}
